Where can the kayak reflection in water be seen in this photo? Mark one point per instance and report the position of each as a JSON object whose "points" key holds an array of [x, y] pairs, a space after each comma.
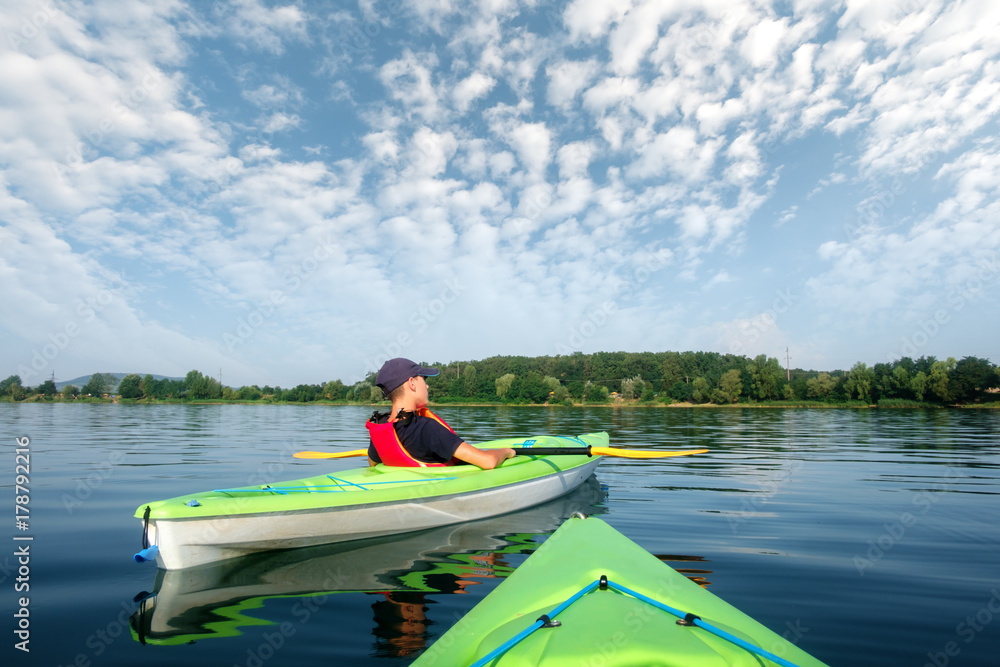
{"points": [[401, 621], [226, 599]]}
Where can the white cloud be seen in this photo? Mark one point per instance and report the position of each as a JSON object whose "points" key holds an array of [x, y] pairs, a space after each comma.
{"points": [[763, 41], [567, 79], [609, 92], [408, 81], [255, 26], [277, 122], [585, 18], [677, 151], [470, 89], [281, 93]]}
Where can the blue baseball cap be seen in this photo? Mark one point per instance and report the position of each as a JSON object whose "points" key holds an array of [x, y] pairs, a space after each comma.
{"points": [[397, 371]]}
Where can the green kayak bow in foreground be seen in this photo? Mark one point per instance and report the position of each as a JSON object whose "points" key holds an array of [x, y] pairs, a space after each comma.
{"points": [[589, 595]]}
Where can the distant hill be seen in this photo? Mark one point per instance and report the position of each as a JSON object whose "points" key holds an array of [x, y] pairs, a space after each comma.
{"points": [[82, 380]]}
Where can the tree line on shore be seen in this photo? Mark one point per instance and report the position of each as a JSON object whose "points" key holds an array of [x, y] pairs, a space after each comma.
{"points": [[598, 378]]}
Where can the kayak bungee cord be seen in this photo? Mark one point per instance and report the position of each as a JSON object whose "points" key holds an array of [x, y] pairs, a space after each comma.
{"points": [[327, 488], [603, 584], [692, 620], [545, 620]]}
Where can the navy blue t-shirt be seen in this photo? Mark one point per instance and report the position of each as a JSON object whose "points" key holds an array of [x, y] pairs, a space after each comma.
{"points": [[424, 438]]}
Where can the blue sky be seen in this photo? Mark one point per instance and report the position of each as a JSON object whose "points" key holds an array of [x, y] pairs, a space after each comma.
{"points": [[291, 192]]}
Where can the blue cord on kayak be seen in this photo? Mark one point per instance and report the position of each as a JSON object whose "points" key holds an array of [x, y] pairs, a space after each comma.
{"points": [[322, 488], [691, 619], [544, 620]]}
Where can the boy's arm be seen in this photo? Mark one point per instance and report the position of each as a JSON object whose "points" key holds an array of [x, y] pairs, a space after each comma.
{"points": [[487, 459]]}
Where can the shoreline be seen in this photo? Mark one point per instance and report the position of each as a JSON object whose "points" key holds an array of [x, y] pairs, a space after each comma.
{"points": [[855, 405]]}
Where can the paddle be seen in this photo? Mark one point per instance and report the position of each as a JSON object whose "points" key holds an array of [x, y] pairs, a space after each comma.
{"points": [[535, 451]]}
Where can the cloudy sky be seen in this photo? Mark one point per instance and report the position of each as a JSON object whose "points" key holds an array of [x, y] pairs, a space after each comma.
{"points": [[291, 191]]}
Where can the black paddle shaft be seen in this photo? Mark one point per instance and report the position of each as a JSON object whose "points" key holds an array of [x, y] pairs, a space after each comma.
{"points": [[547, 451]]}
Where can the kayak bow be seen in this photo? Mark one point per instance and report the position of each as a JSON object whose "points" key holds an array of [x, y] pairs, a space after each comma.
{"points": [[590, 595]]}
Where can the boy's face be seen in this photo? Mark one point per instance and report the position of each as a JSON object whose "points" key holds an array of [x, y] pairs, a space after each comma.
{"points": [[420, 391]]}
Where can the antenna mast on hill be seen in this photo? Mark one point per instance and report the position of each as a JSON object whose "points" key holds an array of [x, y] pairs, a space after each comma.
{"points": [[788, 368]]}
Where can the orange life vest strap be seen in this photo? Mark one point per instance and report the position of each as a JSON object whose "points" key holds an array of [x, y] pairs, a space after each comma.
{"points": [[389, 447]]}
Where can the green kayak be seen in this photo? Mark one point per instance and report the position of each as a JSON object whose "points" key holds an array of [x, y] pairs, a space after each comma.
{"points": [[590, 596], [358, 503]]}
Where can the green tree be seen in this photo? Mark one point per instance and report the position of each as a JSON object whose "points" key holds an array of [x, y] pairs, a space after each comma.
{"points": [[197, 386], [970, 378], [938, 383], [632, 387], [551, 383], [820, 386], [6, 385], [333, 390], [730, 386], [902, 380], [130, 386], [503, 384], [148, 386], [359, 391], [202, 386], [99, 384], [919, 385], [470, 381], [560, 395], [251, 393], [682, 392], [47, 388], [69, 392], [701, 390], [531, 388], [765, 374], [859, 382], [671, 371]]}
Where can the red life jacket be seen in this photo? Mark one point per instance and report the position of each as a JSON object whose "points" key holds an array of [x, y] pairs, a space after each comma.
{"points": [[390, 449]]}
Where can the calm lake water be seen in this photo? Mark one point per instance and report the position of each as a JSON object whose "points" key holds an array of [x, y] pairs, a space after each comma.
{"points": [[868, 537]]}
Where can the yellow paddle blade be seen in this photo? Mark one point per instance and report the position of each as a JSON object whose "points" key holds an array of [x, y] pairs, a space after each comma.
{"points": [[641, 453], [331, 455]]}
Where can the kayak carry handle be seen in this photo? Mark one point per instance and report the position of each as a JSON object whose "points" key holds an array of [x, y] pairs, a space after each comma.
{"points": [[149, 553]]}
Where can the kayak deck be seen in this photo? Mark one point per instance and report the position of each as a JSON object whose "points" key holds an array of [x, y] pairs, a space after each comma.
{"points": [[631, 619]]}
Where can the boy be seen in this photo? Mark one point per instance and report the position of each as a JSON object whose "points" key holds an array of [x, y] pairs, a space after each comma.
{"points": [[412, 435]]}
